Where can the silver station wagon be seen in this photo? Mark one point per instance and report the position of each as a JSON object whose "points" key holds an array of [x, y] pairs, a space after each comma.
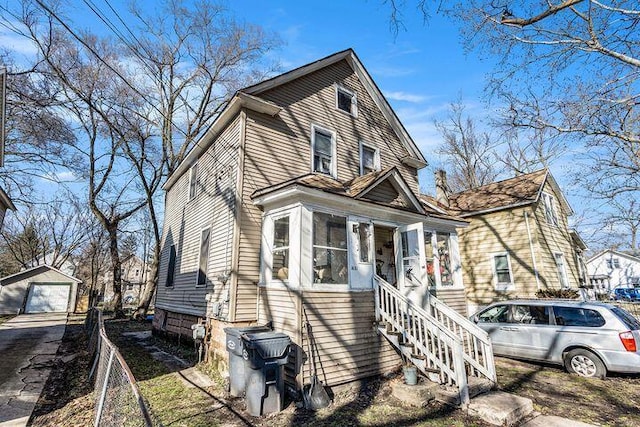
{"points": [[588, 338]]}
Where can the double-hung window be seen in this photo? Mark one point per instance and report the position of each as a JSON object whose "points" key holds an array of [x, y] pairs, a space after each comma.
{"points": [[203, 260], [502, 277], [280, 249], [369, 159], [549, 209], [330, 256], [193, 181], [562, 270], [346, 101], [323, 145]]}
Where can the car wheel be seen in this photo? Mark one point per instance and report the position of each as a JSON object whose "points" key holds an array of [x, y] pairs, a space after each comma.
{"points": [[585, 363]]}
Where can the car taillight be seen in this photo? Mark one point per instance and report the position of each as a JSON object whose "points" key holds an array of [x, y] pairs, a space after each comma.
{"points": [[628, 341]]}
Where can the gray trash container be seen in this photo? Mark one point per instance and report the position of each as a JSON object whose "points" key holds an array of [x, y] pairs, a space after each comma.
{"points": [[266, 354], [236, 361]]}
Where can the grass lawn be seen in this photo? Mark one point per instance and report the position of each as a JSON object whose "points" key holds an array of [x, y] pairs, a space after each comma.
{"points": [[614, 401]]}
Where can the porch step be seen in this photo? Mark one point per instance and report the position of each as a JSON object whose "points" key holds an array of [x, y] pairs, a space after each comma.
{"points": [[500, 408], [418, 395], [476, 386]]}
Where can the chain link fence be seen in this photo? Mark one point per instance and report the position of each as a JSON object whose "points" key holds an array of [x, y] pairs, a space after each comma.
{"points": [[118, 400]]}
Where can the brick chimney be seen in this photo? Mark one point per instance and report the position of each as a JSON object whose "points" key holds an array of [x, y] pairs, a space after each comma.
{"points": [[442, 189]]}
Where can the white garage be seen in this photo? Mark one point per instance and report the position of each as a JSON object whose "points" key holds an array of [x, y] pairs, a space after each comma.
{"points": [[42, 289]]}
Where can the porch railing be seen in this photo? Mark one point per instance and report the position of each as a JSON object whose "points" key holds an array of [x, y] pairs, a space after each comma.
{"points": [[478, 352], [452, 347]]}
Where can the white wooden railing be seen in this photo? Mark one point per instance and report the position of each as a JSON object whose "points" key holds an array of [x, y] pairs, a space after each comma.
{"points": [[446, 342], [478, 352]]}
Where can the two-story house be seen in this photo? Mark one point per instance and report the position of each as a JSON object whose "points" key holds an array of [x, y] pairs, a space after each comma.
{"points": [[610, 269], [298, 205], [518, 240]]}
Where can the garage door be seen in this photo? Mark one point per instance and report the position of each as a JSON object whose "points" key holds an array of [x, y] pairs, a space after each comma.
{"points": [[47, 298]]}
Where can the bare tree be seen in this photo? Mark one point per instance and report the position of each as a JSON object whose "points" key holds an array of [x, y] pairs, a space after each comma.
{"points": [[469, 151]]}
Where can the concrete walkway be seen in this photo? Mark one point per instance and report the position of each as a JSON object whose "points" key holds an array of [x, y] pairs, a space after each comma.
{"points": [[28, 346]]}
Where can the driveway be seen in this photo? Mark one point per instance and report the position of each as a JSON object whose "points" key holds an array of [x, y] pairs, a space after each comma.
{"points": [[28, 346]]}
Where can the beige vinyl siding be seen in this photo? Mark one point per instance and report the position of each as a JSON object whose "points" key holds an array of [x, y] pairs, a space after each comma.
{"points": [[552, 239], [502, 231], [454, 298], [346, 345], [279, 148], [214, 207], [386, 193]]}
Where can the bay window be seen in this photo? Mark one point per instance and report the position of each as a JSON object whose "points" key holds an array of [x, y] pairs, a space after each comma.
{"points": [[330, 257]]}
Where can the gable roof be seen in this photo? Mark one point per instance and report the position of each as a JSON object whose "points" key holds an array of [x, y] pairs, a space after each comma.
{"points": [[521, 190], [613, 252], [358, 189], [248, 97], [415, 158], [32, 270]]}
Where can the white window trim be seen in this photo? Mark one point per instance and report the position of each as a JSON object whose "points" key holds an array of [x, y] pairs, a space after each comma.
{"points": [[200, 255], [334, 157], [266, 261], [562, 272], [193, 177], [271, 228], [549, 202], [354, 100], [328, 287], [376, 156], [501, 286]]}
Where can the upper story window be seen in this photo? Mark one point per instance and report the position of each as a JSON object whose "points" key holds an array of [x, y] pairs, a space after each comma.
{"points": [[280, 249], [369, 159], [323, 147], [330, 263], [193, 181], [346, 101], [549, 209]]}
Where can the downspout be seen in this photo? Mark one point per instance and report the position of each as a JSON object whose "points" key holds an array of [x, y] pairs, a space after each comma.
{"points": [[533, 255]]}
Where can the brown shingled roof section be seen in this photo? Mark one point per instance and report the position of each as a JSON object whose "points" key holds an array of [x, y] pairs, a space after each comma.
{"points": [[520, 190]]}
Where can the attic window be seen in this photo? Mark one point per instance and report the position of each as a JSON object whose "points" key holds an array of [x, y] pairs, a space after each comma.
{"points": [[193, 181], [346, 101], [549, 209]]}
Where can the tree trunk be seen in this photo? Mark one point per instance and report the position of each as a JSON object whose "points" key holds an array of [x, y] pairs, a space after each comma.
{"points": [[149, 286], [116, 268]]}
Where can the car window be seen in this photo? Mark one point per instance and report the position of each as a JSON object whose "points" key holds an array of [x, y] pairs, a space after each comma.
{"points": [[533, 314], [497, 314], [574, 316], [627, 318]]}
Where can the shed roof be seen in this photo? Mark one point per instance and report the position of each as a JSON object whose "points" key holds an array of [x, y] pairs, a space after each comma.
{"points": [[36, 270]]}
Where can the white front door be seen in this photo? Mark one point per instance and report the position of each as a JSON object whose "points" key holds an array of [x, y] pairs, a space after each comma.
{"points": [[411, 264], [361, 252]]}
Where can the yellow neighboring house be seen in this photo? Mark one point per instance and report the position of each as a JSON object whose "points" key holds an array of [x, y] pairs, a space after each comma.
{"points": [[518, 240]]}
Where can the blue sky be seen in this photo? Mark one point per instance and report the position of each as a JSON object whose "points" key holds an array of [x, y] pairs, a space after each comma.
{"points": [[421, 70]]}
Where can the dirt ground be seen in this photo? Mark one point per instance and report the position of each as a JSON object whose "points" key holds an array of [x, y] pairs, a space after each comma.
{"points": [[174, 400]]}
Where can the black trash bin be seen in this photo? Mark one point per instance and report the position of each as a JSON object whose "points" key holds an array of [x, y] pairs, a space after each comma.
{"points": [[266, 354], [236, 361]]}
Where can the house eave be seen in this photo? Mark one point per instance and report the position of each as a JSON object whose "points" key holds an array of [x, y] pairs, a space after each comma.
{"points": [[6, 201], [239, 101], [297, 193], [496, 209]]}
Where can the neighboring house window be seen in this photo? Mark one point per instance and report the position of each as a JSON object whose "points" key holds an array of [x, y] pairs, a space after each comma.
{"points": [[346, 101], [549, 209], [330, 263], [172, 266], [502, 276], [280, 251], [323, 148], [610, 264], [193, 181], [444, 258], [369, 159], [616, 263], [428, 253], [204, 258], [137, 272], [562, 270]]}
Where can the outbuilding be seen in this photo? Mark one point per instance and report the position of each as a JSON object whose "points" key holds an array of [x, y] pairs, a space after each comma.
{"points": [[41, 289]]}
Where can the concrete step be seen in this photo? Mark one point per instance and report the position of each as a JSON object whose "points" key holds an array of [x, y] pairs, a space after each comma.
{"points": [[500, 408], [418, 395], [553, 421]]}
